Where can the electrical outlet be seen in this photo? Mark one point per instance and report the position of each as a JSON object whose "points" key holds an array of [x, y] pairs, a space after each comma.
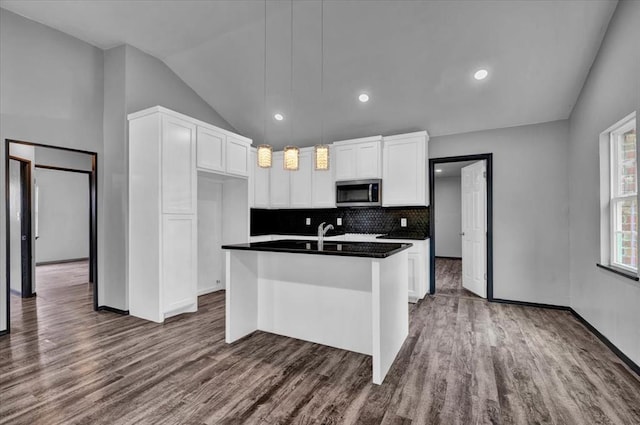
{"points": [[308, 221], [339, 221], [403, 222]]}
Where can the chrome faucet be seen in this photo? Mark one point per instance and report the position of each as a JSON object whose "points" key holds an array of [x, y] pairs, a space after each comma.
{"points": [[321, 232]]}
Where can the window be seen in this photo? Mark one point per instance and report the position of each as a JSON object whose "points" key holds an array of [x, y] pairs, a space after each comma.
{"points": [[623, 199]]}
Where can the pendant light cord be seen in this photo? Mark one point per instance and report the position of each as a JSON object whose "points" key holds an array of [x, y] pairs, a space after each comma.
{"points": [[291, 82], [322, 72], [264, 134]]}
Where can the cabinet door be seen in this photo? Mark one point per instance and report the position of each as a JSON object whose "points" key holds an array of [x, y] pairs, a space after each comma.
{"points": [[179, 263], [210, 149], [368, 160], [279, 190], [301, 181], [261, 178], [404, 172], [323, 186], [237, 156], [414, 276], [345, 162], [252, 178], [178, 166]]}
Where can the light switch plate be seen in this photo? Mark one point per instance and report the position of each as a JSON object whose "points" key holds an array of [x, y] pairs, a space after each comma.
{"points": [[403, 222], [339, 221], [308, 221]]}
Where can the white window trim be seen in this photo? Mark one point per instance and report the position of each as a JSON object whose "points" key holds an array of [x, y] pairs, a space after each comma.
{"points": [[608, 162]]}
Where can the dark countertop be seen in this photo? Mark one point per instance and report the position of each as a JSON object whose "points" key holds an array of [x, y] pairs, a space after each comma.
{"points": [[309, 233], [419, 236], [349, 249]]}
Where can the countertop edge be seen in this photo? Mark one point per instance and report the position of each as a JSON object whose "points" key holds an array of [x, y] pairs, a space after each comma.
{"points": [[244, 247]]}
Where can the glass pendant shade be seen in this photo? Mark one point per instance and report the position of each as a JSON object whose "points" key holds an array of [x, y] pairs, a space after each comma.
{"points": [[321, 157], [264, 156], [291, 158]]}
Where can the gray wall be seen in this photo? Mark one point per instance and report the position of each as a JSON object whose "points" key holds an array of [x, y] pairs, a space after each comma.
{"points": [[530, 215], [63, 215], [113, 245], [612, 91], [448, 216], [50, 92], [149, 82], [60, 158]]}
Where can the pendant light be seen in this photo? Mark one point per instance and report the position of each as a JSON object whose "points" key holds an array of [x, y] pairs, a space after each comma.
{"points": [[265, 150], [291, 153], [291, 158], [321, 151]]}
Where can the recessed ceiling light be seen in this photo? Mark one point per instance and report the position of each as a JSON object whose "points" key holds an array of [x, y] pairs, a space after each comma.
{"points": [[278, 117], [363, 97], [438, 170], [481, 74]]}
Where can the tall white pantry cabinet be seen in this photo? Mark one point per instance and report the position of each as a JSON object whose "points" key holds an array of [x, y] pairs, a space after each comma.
{"points": [[162, 216]]}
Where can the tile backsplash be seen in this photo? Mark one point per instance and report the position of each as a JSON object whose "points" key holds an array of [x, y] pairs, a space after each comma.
{"points": [[354, 220]]}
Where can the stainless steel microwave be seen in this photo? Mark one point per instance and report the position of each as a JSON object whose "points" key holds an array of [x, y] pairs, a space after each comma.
{"points": [[359, 193]]}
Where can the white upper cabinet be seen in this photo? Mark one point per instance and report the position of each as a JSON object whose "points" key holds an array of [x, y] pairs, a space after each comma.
{"points": [[178, 166], [237, 156], [358, 158], [300, 180], [222, 152], [259, 183], [323, 186], [211, 149], [404, 179], [279, 193], [368, 160]]}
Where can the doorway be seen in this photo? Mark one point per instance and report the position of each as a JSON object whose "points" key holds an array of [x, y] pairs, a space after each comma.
{"points": [[58, 192], [461, 227], [20, 227]]}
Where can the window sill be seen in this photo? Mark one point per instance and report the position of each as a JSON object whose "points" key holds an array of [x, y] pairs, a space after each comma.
{"points": [[620, 272]]}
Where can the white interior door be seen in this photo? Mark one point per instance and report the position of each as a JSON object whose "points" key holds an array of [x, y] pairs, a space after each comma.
{"points": [[474, 228]]}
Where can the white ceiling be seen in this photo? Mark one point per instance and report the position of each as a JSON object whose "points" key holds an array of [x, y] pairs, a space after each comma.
{"points": [[415, 59]]}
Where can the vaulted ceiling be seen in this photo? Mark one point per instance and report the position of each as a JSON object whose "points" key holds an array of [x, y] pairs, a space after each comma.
{"points": [[415, 59]]}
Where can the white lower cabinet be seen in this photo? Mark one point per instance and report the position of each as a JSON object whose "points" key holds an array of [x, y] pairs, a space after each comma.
{"points": [[179, 264], [418, 262], [414, 275]]}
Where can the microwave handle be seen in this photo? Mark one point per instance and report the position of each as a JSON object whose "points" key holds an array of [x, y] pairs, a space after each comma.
{"points": [[370, 192]]}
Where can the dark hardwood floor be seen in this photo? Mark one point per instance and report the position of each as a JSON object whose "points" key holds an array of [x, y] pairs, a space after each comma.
{"points": [[53, 276], [449, 278], [465, 361]]}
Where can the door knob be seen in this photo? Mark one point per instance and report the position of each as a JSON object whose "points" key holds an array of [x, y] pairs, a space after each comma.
{"points": [[462, 234]]}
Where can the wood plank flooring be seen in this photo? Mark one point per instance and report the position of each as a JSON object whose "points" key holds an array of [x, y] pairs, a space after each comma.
{"points": [[465, 361], [449, 278]]}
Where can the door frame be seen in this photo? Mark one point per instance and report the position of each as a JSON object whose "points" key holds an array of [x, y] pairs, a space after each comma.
{"points": [[488, 158], [26, 281], [93, 218]]}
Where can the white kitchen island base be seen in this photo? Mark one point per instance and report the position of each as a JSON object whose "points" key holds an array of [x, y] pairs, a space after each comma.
{"points": [[352, 303]]}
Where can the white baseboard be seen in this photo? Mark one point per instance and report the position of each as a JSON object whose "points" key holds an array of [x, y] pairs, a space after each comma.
{"points": [[209, 290]]}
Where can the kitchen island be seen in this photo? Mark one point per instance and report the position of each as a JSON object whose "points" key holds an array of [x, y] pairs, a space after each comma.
{"points": [[348, 295]]}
